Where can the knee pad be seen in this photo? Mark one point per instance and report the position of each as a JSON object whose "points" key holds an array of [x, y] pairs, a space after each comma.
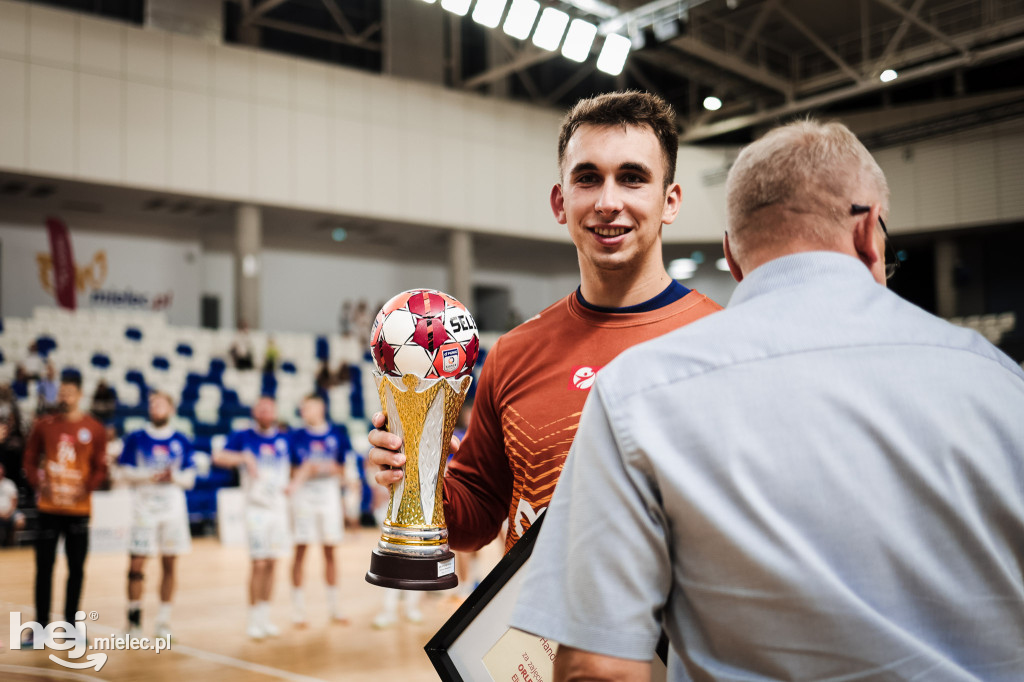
{"points": [[135, 575]]}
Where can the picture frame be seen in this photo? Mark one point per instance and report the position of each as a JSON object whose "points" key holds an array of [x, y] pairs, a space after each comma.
{"points": [[457, 649]]}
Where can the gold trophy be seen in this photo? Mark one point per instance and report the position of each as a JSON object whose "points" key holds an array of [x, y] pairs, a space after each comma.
{"points": [[425, 344]]}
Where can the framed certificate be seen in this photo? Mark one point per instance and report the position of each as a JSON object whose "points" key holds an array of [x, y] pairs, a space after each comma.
{"points": [[476, 643]]}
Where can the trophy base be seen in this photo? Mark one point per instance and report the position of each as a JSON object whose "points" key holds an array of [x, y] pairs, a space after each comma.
{"points": [[412, 573]]}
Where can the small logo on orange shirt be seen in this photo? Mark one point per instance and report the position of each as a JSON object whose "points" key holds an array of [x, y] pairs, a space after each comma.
{"points": [[582, 378]]}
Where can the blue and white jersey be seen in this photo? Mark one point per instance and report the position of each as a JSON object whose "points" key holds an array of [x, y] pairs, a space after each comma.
{"points": [[273, 462], [322, 446], [328, 444], [152, 451]]}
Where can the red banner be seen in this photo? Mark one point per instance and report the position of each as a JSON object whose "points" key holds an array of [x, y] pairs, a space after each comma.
{"points": [[63, 263]]}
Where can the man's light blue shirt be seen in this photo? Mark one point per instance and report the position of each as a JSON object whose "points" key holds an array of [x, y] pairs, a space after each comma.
{"points": [[822, 482]]}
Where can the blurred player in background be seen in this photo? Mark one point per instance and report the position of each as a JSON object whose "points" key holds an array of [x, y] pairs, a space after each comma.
{"points": [[318, 456], [157, 462], [261, 454], [65, 460]]}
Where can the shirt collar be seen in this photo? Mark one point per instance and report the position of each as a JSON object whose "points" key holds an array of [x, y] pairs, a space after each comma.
{"points": [[798, 269]]}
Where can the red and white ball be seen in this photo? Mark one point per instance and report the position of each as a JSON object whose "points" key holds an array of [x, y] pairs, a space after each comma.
{"points": [[426, 333]]}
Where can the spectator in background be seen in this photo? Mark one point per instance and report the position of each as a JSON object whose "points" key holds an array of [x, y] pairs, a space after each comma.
{"points": [[65, 460], [241, 349], [20, 384], [271, 357], [11, 520], [34, 363], [104, 402], [46, 391], [345, 320], [361, 321], [12, 435]]}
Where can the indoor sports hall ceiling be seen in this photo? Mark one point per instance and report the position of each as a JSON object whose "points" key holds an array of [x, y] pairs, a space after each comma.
{"points": [[763, 59]]}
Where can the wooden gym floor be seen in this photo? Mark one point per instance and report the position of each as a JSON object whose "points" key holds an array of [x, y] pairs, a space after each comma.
{"points": [[209, 620]]}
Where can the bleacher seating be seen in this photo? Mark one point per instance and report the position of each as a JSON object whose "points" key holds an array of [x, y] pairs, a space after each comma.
{"points": [[136, 352]]}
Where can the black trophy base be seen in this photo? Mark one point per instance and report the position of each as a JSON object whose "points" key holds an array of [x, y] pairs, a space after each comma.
{"points": [[412, 573]]}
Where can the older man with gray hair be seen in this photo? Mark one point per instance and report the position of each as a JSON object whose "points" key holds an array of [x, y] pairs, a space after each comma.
{"points": [[822, 482]]}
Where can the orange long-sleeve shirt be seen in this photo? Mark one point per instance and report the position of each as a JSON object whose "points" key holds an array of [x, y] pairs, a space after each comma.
{"points": [[65, 461], [527, 408]]}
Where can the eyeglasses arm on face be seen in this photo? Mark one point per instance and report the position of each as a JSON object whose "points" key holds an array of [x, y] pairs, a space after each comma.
{"points": [[891, 260]]}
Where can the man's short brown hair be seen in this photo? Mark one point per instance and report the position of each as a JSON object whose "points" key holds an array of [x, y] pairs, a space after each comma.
{"points": [[628, 108]]}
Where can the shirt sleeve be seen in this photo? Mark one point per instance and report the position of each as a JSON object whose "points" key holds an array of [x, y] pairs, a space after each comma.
{"points": [[600, 573], [236, 442], [127, 456], [30, 459], [478, 482]]}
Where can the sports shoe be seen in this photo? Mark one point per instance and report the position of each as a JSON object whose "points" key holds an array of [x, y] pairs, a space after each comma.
{"points": [[414, 616], [270, 629], [28, 641], [339, 618], [384, 619], [134, 631], [163, 630], [255, 631]]}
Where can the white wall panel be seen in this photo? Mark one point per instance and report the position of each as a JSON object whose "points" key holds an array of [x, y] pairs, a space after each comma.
{"points": [[232, 148], [100, 46], [145, 135], [453, 180], [272, 78], [347, 92], [100, 112], [312, 150], [349, 179], [901, 176], [975, 178], [190, 64], [483, 160], [146, 55], [310, 87], [422, 182], [936, 184], [232, 72], [190, 153], [51, 36], [387, 171], [274, 176], [1009, 163], [13, 29], [13, 108], [51, 115]]}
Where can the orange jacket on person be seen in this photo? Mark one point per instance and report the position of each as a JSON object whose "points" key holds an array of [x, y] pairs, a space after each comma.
{"points": [[64, 462]]}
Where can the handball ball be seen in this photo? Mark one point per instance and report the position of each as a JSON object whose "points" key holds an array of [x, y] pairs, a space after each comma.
{"points": [[426, 333]]}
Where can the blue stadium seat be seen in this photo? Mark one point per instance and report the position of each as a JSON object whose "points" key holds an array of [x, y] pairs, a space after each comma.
{"points": [[45, 344], [133, 333], [100, 360], [160, 362], [355, 399], [216, 373], [184, 350], [288, 367], [323, 349]]}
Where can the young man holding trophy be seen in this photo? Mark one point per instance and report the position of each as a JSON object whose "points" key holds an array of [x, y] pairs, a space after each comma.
{"points": [[617, 155]]}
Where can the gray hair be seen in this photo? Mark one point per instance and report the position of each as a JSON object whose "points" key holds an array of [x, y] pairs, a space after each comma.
{"points": [[802, 167]]}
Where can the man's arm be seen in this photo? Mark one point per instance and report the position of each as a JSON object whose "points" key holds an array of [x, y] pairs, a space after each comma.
{"points": [[30, 459], [601, 571], [576, 665], [478, 483]]}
